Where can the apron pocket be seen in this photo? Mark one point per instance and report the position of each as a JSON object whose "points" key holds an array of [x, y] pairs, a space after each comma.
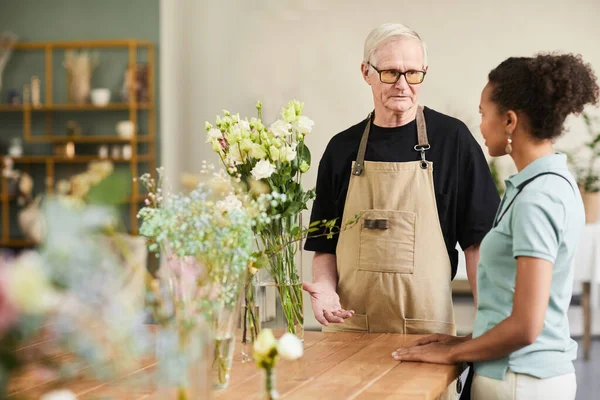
{"points": [[425, 327], [387, 241]]}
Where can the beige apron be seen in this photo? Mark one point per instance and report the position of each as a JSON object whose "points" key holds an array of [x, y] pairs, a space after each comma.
{"points": [[393, 269]]}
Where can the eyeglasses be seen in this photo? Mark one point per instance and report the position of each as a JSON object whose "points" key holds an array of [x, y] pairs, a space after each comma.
{"points": [[413, 77]]}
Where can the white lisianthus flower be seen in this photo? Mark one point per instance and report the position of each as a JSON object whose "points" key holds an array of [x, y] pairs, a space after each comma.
{"points": [[59, 395], [280, 128], [217, 146], [245, 125], [235, 135], [287, 153], [265, 343], [229, 204], [304, 125], [274, 152], [289, 347], [29, 288], [246, 144], [262, 170], [213, 134], [234, 156], [257, 151]]}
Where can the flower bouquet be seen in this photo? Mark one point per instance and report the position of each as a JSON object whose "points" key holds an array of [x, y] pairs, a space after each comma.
{"points": [[206, 236], [272, 160]]}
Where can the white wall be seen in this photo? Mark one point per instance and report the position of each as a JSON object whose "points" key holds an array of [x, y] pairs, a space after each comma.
{"points": [[228, 54]]}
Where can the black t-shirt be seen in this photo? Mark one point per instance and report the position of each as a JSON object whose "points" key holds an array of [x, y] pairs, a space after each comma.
{"points": [[465, 192]]}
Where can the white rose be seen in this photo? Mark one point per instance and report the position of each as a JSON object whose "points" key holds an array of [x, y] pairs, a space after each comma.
{"points": [[59, 395], [280, 128], [265, 343], [229, 204], [289, 347], [304, 125], [212, 135], [257, 151], [263, 169]]}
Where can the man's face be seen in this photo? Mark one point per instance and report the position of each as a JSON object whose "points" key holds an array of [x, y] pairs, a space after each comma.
{"points": [[401, 55]]}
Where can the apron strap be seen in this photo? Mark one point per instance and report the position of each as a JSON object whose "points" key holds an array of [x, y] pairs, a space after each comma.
{"points": [[422, 140], [520, 188], [362, 149]]}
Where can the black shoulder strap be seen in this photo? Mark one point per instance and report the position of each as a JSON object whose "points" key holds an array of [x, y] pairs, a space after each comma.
{"points": [[520, 189]]}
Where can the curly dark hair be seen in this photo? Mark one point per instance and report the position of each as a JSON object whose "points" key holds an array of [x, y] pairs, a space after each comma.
{"points": [[545, 88]]}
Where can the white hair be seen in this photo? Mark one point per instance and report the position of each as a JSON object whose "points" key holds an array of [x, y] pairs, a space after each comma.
{"points": [[389, 31]]}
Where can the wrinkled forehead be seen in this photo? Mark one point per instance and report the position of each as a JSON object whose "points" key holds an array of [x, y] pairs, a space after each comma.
{"points": [[399, 52]]}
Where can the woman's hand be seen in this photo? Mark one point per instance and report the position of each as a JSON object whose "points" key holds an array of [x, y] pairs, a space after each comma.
{"points": [[440, 338], [434, 352]]}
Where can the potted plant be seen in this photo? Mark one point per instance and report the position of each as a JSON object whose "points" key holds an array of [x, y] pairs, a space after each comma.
{"points": [[588, 176]]}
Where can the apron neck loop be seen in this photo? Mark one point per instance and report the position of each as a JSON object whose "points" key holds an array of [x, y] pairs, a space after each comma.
{"points": [[421, 147], [423, 142]]}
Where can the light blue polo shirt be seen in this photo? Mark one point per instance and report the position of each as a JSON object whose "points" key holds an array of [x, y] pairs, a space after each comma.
{"points": [[545, 221]]}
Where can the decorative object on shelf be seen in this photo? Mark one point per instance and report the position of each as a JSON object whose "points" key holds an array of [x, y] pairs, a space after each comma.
{"points": [[73, 129], [19, 183], [60, 150], [125, 129], [35, 91], [70, 150], [136, 79], [588, 175], [7, 42], [26, 94], [115, 152], [103, 151], [79, 71], [266, 352], [13, 97], [100, 97], [272, 160], [76, 191], [16, 147], [127, 152]]}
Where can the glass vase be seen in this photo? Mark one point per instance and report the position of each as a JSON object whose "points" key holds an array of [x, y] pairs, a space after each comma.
{"points": [[183, 355], [279, 284], [225, 321], [250, 323]]}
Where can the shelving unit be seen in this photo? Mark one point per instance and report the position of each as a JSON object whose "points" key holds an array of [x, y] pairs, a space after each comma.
{"points": [[49, 137]]}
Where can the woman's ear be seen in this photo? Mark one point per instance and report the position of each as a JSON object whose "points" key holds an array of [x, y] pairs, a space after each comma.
{"points": [[511, 121]]}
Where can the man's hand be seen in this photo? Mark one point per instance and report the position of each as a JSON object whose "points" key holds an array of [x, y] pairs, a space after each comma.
{"points": [[326, 304]]}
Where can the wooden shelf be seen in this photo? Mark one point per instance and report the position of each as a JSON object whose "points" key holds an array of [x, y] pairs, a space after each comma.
{"points": [[78, 44], [51, 50], [75, 107], [73, 160], [17, 243], [87, 139]]}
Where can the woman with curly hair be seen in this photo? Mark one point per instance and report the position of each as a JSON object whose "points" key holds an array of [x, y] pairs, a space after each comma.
{"points": [[521, 345]]}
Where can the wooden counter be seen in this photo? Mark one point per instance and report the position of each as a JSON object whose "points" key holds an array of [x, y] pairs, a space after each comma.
{"points": [[334, 366]]}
